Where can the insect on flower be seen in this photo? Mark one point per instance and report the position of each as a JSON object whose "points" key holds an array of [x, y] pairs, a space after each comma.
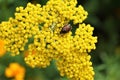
{"points": [[66, 28]]}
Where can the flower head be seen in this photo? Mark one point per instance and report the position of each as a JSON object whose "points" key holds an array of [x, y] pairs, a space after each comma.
{"points": [[43, 25], [15, 71], [2, 49]]}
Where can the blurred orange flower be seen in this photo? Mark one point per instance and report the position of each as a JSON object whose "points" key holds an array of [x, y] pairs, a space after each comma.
{"points": [[2, 49], [26, 53], [15, 70]]}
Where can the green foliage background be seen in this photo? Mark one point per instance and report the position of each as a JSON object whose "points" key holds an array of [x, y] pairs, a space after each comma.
{"points": [[104, 15]]}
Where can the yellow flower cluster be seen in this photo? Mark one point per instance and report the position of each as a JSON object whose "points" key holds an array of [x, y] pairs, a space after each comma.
{"points": [[38, 27], [15, 71]]}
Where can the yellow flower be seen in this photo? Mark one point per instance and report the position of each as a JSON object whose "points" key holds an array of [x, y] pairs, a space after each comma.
{"points": [[36, 31], [2, 49], [15, 71]]}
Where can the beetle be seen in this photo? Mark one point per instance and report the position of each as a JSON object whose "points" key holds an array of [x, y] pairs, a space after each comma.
{"points": [[66, 28]]}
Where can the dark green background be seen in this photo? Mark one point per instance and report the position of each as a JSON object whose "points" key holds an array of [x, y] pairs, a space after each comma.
{"points": [[104, 16]]}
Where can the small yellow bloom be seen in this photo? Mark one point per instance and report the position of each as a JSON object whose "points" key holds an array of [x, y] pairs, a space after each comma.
{"points": [[15, 71]]}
